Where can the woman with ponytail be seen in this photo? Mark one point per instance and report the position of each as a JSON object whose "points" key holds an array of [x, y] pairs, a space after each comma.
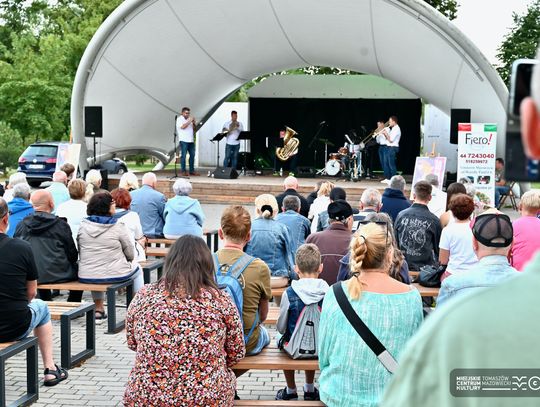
{"points": [[351, 374], [270, 241]]}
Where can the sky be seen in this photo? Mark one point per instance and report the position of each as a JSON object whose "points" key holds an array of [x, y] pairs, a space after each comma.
{"points": [[486, 22]]}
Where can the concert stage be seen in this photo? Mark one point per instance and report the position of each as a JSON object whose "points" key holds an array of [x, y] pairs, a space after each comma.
{"points": [[245, 189]]}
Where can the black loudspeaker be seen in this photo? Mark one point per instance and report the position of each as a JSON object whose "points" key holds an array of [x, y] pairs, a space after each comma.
{"points": [[104, 177], [93, 121], [306, 172], [458, 116], [225, 173]]}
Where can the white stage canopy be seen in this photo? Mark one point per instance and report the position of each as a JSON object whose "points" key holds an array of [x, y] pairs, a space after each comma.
{"points": [[151, 57]]}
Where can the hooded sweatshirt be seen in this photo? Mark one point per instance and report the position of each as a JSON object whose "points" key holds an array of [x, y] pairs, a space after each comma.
{"points": [[106, 250], [393, 202], [18, 210], [53, 246], [183, 216], [309, 290]]}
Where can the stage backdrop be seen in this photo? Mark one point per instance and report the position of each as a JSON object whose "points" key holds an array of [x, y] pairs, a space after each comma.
{"points": [[268, 115]]}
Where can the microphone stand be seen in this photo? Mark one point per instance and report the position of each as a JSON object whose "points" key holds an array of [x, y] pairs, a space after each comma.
{"points": [[175, 149]]}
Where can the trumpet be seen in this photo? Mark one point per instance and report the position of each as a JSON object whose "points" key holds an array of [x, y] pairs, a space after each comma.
{"points": [[373, 134]]}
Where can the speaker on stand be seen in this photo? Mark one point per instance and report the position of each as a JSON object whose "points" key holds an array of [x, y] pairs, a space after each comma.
{"points": [[93, 124]]}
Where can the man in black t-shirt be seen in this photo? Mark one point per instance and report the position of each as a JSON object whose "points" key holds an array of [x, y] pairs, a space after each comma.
{"points": [[20, 313]]}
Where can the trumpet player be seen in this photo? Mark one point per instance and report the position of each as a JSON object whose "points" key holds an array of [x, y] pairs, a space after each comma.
{"points": [[185, 128], [389, 140], [233, 128]]}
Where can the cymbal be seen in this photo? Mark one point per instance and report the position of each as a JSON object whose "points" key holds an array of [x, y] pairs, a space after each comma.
{"points": [[326, 141]]}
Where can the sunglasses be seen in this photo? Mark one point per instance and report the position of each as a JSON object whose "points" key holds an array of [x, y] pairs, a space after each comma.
{"points": [[379, 223]]}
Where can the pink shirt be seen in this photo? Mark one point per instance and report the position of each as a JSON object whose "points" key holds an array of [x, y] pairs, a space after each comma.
{"points": [[526, 241]]}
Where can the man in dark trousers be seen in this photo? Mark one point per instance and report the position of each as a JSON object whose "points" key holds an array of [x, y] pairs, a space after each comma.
{"points": [[290, 185]]}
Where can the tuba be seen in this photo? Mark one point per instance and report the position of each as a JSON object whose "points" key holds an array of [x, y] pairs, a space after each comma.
{"points": [[290, 145]]}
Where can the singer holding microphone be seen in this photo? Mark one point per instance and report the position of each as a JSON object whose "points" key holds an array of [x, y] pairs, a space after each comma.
{"points": [[185, 128]]}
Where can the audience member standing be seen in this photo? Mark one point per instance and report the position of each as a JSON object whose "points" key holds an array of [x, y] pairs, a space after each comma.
{"points": [[235, 231], [58, 189], [393, 199], [351, 374], [19, 207], [333, 243], [298, 225], [456, 244], [290, 186], [437, 205], [335, 194], [183, 215], [320, 204], [270, 241], [418, 231], [149, 204], [492, 238], [453, 189], [105, 248], [74, 210], [20, 313], [52, 243], [14, 179], [186, 333], [526, 241]]}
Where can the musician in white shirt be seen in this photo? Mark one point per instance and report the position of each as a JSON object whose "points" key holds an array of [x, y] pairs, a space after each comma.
{"points": [[233, 128], [185, 129], [390, 148]]}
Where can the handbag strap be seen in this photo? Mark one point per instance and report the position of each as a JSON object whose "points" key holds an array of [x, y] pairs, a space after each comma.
{"points": [[386, 359]]}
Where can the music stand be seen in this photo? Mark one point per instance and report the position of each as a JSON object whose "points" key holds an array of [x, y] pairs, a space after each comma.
{"points": [[245, 136], [218, 137]]}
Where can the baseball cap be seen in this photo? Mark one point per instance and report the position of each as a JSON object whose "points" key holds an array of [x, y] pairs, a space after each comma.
{"points": [[339, 210], [493, 229]]}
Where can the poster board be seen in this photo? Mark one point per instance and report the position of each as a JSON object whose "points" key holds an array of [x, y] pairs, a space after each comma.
{"points": [[477, 143], [68, 153], [429, 165]]}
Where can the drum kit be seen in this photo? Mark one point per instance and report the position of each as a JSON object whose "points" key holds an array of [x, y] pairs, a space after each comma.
{"points": [[346, 163]]}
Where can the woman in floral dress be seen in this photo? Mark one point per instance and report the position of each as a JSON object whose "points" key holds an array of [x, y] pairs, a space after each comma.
{"points": [[186, 332]]}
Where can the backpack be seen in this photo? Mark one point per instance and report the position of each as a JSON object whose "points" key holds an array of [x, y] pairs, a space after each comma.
{"points": [[227, 279], [305, 338]]}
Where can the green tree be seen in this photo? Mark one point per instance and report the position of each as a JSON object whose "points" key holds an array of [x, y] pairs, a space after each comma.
{"points": [[521, 41], [448, 8], [10, 146]]}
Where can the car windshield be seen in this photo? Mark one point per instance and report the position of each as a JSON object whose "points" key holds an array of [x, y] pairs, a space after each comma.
{"points": [[41, 151]]}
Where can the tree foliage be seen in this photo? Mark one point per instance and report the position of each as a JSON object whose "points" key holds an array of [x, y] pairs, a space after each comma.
{"points": [[448, 8], [521, 41], [11, 146]]}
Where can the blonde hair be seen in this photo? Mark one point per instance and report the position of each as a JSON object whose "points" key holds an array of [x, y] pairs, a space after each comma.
{"points": [[325, 188], [530, 200], [235, 223], [128, 181], [369, 250], [308, 258], [266, 199]]}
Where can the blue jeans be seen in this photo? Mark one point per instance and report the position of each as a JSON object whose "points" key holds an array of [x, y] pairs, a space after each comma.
{"points": [[500, 190], [231, 155], [390, 156], [184, 149], [40, 316], [263, 342], [382, 159]]}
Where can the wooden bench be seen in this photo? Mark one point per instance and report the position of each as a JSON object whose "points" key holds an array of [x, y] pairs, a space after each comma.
{"points": [[9, 349], [212, 241], [150, 265], [110, 289], [271, 358], [66, 312], [424, 291], [276, 403], [272, 317]]}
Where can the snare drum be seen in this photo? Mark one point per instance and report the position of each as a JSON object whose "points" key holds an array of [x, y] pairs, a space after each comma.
{"points": [[332, 167], [334, 156]]}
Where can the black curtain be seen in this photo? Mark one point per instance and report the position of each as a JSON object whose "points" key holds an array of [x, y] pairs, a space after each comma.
{"points": [[268, 115]]}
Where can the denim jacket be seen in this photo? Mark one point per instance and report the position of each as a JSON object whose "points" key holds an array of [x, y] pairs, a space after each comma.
{"points": [[271, 243], [490, 271], [298, 225]]}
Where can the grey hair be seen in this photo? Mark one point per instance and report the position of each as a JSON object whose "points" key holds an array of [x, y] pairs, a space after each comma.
{"points": [[291, 202], [182, 187], [17, 178], [93, 177], [371, 197], [432, 179], [397, 182], [128, 181], [22, 191], [3, 207]]}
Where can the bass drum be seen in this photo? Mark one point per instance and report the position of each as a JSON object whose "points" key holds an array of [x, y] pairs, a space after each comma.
{"points": [[332, 167]]}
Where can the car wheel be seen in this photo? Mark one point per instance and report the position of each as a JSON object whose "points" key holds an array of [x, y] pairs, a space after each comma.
{"points": [[121, 170]]}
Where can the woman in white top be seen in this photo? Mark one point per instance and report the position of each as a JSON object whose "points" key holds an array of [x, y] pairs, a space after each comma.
{"points": [[455, 247], [320, 204], [74, 210], [131, 219], [453, 189]]}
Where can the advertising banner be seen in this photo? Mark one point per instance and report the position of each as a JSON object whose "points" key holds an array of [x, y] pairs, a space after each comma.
{"points": [[477, 144]]}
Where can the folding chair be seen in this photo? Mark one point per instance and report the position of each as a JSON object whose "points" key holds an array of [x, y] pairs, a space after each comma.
{"points": [[509, 194]]}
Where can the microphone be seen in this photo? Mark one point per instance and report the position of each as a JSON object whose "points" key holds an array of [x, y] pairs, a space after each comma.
{"points": [[323, 122], [348, 138]]}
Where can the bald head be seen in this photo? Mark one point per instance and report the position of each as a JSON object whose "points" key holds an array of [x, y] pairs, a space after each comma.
{"points": [[290, 183], [42, 201], [149, 179], [60, 176]]}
